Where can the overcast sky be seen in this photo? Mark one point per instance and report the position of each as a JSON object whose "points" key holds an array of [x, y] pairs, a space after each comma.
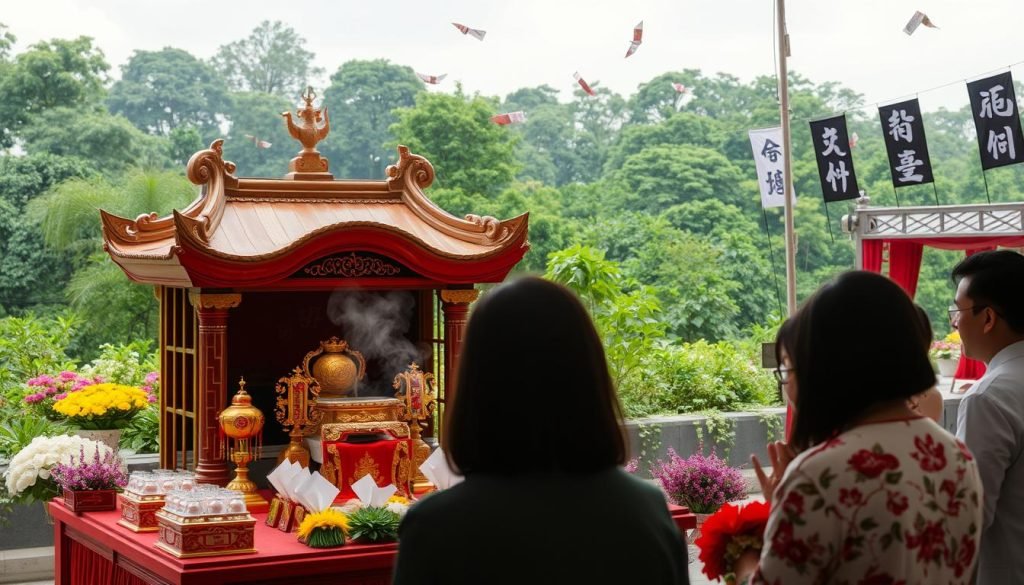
{"points": [[532, 42]]}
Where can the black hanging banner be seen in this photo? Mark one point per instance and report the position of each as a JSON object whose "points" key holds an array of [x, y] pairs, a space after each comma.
{"points": [[903, 129], [994, 106], [835, 165]]}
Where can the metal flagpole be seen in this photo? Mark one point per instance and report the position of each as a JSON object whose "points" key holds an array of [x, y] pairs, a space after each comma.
{"points": [[787, 150]]}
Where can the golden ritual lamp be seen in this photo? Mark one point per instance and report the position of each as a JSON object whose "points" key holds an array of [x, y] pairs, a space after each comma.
{"points": [[298, 413], [418, 401], [241, 425]]}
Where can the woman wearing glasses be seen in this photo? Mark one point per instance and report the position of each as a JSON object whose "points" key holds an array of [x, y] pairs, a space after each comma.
{"points": [[877, 493]]}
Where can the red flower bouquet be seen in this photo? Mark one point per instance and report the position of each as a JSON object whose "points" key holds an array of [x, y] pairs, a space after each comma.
{"points": [[728, 533]]}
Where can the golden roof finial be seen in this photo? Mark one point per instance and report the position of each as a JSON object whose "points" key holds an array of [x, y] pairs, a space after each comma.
{"points": [[313, 126]]}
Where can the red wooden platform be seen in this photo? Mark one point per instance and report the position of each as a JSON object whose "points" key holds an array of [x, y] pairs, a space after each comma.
{"points": [[92, 549]]}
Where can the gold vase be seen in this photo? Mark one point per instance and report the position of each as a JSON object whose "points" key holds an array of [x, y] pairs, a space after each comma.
{"points": [[337, 368]]}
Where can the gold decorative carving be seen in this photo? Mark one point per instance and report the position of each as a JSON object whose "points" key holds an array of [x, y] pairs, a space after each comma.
{"points": [[491, 227], [459, 295], [365, 466], [201, 300], [400, 469], [418, 394], [352, 266], [312, 127], [411, 166], [334, 431], [297, 412]]}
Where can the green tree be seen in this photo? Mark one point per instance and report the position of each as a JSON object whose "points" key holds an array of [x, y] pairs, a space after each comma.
{"points": [[661, 176], [109, 142], [160, 91], [362, 98], [272, 59], [50, 74], [455, 133], [678, 128], [119, 312], [258, 115], [31, 275]]}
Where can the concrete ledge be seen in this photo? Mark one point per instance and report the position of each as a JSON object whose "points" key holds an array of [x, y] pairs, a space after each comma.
{"points": [[26, 564]]}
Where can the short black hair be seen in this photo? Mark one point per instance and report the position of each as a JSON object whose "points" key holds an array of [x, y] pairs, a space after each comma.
{"points": [[997, 280], [532, 360], [857, 345]]}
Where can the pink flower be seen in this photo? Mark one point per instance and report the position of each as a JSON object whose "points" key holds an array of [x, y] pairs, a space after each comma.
{"points": [[152, 377], [67, 376]]}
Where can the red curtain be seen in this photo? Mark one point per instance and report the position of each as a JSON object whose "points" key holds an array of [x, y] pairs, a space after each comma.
{"points": [[91, 568], [905, 264], [871, 255]]}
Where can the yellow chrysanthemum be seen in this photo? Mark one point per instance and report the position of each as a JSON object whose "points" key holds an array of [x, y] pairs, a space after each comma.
{"points": [[329, 518], [396, 499], [102, 400], [953, 337]]}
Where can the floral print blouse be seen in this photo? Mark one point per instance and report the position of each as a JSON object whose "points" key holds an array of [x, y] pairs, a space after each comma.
{"points": [[886, 503]]}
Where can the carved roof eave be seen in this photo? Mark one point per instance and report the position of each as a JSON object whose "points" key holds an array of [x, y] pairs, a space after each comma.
{"points": [[206, 168], [188, 239], [413, 173]]}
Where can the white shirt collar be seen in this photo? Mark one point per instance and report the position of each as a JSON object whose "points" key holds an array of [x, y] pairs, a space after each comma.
{"points": [[1012, 351]]}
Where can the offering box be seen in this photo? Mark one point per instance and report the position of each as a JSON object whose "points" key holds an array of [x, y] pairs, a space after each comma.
{"points": [[138, 512], [204, 536]]}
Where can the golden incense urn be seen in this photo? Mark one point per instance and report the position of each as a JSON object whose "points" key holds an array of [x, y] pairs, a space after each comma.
{"points": [[241, 425], [418, 399], [338, 368]]}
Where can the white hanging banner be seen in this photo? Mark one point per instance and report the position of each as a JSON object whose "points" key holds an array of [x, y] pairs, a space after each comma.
{"points": [[766, 145]]}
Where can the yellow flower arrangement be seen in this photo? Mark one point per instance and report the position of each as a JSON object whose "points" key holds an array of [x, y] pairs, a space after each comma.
{"points": [[102, 406], [953, 337], [397, 499], [324, 529]]}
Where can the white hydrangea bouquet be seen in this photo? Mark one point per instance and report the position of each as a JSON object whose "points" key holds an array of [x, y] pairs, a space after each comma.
{"points": [[28, 474]]}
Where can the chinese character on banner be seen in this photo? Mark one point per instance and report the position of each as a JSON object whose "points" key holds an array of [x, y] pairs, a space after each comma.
{"points": [[766, 145], [996, 120], [903, 131], [835, 165]]}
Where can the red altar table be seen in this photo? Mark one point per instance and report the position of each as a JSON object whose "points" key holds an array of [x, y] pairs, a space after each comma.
{"points": [[92, 550]]}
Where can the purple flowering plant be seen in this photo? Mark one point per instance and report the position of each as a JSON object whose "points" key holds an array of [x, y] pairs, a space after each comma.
{"points": [[44, 390], [701, 483], [106, 473]]}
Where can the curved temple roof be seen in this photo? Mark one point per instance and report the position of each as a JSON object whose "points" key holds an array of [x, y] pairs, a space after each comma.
{"points": [[258, 232]]}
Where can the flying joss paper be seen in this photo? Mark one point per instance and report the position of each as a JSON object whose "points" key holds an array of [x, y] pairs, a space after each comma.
{"points": [[917, 20], [257, 142], [509, 118], [432, 79], [473, 32], [682, 92], [586, 87], [638, 33]]}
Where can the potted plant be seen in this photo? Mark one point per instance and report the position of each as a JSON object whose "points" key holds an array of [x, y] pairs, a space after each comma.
{"points": [[90, 484], [946, 354], [44, 390], [701, 483], [29, 479], [100, 411]]}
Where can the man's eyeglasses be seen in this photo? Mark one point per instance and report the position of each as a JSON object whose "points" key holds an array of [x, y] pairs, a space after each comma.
{"points": [[954, 312]]}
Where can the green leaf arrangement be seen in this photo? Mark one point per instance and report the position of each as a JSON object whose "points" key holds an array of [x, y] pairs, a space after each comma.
{"points": [[372, 524], [326, 537]]}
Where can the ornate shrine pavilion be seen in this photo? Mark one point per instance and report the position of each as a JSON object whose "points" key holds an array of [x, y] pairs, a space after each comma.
{"points": [[245, 273]]}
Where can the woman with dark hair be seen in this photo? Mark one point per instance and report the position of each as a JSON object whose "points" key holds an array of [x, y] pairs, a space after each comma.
{"points": [[536, 428], [878, 493]]}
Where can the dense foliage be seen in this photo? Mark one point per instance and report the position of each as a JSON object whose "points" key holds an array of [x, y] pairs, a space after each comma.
{"points": [[650, 212]]}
